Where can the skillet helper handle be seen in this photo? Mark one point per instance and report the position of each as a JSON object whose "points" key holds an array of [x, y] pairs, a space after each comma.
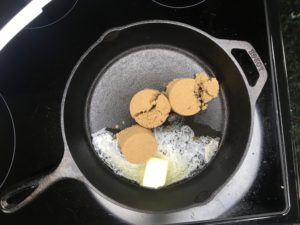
{"points": [[29, 189], [255, 90]]}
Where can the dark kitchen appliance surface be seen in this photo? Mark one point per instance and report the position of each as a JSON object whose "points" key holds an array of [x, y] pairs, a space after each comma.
{"points": [[34, 69]]}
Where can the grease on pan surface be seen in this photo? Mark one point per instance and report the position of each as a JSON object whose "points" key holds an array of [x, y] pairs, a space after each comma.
{"points": [[176, 142]]}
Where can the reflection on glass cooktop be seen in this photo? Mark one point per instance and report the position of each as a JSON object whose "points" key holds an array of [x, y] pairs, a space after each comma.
{"points": [[34, 69]]}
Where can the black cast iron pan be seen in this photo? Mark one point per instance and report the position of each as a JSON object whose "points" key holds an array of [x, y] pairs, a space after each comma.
{"points": [[148, 55]]}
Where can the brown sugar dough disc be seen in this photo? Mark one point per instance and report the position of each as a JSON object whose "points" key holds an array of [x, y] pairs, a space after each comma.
{"points": [[137, 144], [149, 108], [208, 87], [183, 96]]}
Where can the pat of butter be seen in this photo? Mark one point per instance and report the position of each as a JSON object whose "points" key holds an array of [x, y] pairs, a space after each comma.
{"points": [[155, 173]]}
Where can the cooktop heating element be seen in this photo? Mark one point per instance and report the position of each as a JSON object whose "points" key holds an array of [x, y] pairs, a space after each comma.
{"points": [[8, 142], [178, 4]]}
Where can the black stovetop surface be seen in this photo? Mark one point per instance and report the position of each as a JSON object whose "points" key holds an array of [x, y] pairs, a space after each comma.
{"points": [[36, 64]]}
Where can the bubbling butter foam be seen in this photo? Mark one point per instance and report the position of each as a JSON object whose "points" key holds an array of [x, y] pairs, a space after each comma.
{"points": [[177, 143]]}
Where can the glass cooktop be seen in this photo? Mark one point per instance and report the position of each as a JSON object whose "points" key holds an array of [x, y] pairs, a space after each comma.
{"points": [[35, 66]]}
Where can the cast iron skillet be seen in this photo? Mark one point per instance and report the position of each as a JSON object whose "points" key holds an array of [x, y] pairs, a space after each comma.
{"points": [[125, 60]]}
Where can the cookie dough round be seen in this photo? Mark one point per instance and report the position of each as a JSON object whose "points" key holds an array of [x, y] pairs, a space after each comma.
{"points": [[137, 144], [183, 96], [149, 108], [188, 96], [208, 87]]}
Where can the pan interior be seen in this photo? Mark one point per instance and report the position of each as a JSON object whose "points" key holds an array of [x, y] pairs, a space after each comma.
{"points": [[148, 66]]}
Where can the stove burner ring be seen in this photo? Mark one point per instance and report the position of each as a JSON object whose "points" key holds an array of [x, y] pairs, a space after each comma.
{"points": [[8, 143], [178, 4], [53, 13]]}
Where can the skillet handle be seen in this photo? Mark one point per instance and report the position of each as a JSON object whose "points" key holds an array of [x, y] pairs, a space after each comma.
{"points": [[255, 90], [32, 188], [29, 189]]}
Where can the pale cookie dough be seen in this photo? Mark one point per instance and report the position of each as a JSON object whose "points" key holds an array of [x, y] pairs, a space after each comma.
{"points": [[149, 108], [183, 96], [137, 144]]}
